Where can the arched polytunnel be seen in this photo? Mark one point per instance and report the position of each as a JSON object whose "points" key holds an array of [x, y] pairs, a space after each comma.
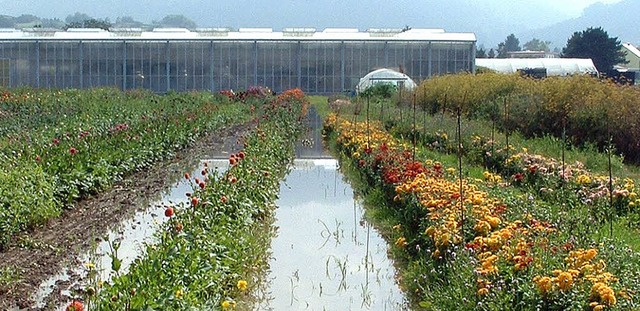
{"points": [[385, 75]]}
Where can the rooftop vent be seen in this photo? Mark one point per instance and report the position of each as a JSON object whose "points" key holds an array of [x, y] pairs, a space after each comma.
{"points": [[126, 32], [261, 30], [171, 30], [383, 32], [40, 32], [86, 30], [298, 32], [214, 32], [341, 30]]}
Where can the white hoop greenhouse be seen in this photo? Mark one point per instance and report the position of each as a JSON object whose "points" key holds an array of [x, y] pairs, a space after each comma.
{"points": [[385, 76]]}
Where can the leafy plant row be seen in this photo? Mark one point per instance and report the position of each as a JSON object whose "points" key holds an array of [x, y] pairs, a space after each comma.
{"points": [[59, 146], [206, 256]]}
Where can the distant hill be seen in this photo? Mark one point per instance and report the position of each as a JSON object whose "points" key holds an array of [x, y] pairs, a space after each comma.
{"points": [[618, 19]]}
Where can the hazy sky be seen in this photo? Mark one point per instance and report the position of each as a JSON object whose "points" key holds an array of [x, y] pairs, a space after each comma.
{"points": [[490, 20], [139, 9], [575, 7]]}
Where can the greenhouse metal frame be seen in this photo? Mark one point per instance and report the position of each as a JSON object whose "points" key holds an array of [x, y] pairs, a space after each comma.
{"points": [[327, 62]]}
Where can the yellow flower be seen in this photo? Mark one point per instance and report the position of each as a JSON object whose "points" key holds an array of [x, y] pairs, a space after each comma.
{"points": [[483, 291], [544, 284], [565, 280], [401, 242], [242, 285], [179, 294], [226, 305], [90, 265]]}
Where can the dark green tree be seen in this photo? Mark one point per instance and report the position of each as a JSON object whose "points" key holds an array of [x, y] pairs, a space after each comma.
{"points": [[77, 18], [537, 45], [492, 53], [179, 21], [595, 43], [127, 22], [90, 23], [511, 44], [481, 52]]}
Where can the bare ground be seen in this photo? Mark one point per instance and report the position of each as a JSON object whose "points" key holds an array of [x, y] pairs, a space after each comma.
{"points": [[36, 256]]}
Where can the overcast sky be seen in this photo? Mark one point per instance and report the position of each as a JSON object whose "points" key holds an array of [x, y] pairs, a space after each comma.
{"points": [[139, 9], [490, 20]]}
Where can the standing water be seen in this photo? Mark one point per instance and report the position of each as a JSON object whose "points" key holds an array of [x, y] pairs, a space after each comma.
{"points": [[325, 256]]}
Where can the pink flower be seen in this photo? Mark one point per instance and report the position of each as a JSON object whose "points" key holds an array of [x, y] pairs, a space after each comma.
{"points": [[73, 151]]}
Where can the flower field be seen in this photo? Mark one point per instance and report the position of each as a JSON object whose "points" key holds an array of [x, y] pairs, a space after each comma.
{"points": [[211, 251], [524, 233], [59, 146], [584, 109]]}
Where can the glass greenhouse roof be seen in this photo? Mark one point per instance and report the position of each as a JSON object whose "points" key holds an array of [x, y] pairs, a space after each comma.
{"points": [[349, 34]]}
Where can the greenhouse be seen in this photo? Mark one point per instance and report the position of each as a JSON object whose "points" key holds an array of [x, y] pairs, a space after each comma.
{"points": [[552, 66], [319, 62], [385, 76]]}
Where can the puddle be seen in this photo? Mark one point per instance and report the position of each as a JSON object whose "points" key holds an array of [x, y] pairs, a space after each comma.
{"points": [[325, 255], [132, 234]]}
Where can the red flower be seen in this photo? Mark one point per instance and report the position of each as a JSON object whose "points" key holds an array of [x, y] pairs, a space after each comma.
{"points": [[194, 201], [73, 151], [186, 176], [38, 159], [202, 185], [75, 306], [56, 141], [232, 160], [518, 177], [241, 155], [168, 212], [224, 199]]}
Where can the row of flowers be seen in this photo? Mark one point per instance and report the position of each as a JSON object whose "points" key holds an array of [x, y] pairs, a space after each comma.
{"points": [[515, 257], [59, 146], [543, 174], [209, 255]]}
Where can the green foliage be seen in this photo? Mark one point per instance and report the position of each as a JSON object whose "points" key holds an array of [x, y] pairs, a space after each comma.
{"points": [[59, 146], [592, 111], [510, 44], [27, 198], [89, 23], [380, 90], [537, 45], [595, 43], [214, 242], [174, 20]]}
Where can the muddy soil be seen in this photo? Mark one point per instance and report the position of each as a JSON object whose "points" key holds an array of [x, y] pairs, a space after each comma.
{"points": [[38, 255]]}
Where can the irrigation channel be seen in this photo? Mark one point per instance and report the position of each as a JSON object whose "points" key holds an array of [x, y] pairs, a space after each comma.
{"points": [[324, 256]]}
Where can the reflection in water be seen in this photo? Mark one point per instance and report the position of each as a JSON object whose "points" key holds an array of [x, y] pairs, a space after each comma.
{"points": [[325, 256], [131, 236]]}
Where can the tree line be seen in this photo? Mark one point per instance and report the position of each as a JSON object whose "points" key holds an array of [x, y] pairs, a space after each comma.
{"points": [[82, 20], [593, 43]]}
